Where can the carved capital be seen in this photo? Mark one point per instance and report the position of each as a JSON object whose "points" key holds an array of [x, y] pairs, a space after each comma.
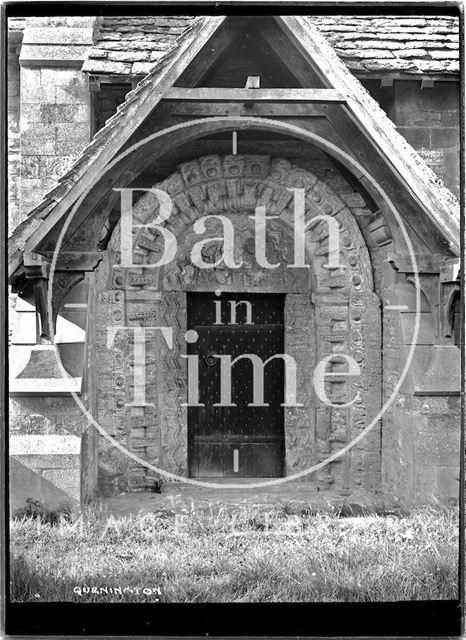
{"points": [[440, 288]]}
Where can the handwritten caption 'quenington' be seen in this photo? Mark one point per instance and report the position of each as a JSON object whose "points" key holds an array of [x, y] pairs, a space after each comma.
{"points": [[147, 591]]}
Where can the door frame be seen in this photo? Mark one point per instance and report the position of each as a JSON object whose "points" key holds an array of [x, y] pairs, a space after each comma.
{"points": [[279, 447]]}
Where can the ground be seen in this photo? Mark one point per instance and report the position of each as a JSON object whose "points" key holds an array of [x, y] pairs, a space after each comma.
{"points": [[176, 497], [209, 551]]}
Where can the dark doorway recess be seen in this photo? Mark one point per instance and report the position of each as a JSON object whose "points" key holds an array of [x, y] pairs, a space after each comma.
{"points": [[241, 440]]}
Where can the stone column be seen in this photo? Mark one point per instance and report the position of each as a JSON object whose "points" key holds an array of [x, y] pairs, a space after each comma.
{"points": [[55, 102]]}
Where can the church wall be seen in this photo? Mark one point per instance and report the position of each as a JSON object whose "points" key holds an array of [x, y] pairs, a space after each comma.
{"points": [[55, 102], [429, 118], [14, 147], [419, 439], [421, 430], [156, 433]]}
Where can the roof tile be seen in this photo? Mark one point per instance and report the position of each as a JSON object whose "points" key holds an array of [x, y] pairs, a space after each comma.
{"points": [[106, 137], [368, 44]]}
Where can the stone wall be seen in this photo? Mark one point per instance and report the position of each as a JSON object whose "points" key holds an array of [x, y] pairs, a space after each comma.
{"points": [[342, 312], [429, 119], [14, 147], [55, 102], [421, 430], [420, 435], [49, 126]]}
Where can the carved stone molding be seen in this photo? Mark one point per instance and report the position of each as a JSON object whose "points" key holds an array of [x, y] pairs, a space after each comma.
{"points": [[325, 308]]}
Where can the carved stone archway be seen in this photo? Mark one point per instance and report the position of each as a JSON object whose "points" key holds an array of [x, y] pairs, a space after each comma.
{"points": [[327, 311]]}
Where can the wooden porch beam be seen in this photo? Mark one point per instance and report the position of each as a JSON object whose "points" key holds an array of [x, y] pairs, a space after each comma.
{"points": [[38, 264], [263, 109], [207, 94]]}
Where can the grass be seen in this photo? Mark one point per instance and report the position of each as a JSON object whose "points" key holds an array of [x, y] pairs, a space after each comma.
{"points": [[236, 555]]}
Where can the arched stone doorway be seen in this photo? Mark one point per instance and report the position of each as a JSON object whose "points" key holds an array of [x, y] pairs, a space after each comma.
{"points": [[326, 312]]}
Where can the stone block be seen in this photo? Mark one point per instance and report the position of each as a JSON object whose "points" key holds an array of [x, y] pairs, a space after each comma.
{"points": [[32, 191], [81, 113], [31, 112], [30, 81], [30, 166], [72, 131], [33, 91], [418, 137], [37, 55], [451, 118], [38, 139], [442, 377], [67, 21], [73, 145], [425, 334], [56, 35], [62, 77], [74, 93], [437, 443], [49, 461], [25, 483], [53, 167], [405, 294], [428, 117], [55, 113], [445, 138], [64, 478], [58, 445], [439, 485]]}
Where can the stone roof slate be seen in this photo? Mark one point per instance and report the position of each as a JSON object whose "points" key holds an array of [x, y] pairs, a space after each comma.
{"points": [[133, 45], [367, 44]]}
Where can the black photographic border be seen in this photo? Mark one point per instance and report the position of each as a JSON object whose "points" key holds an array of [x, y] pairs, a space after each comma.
{"points": [[344, 619]]}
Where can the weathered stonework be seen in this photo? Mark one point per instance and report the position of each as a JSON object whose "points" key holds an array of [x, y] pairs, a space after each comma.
{"points": [[325, 312], [55, 102], [412, 454]]}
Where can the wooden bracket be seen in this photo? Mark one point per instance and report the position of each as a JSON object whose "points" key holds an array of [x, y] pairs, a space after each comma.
{"points": [[75, 260], [424, 263], [37, 269]]}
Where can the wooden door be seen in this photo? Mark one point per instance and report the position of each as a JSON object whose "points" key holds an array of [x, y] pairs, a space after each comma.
{"points": [[237, 441]]}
